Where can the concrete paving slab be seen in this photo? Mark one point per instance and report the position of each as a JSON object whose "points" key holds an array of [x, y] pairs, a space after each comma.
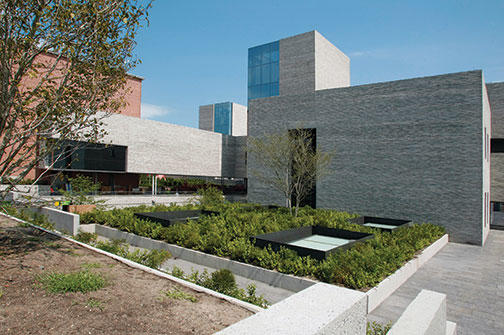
{"points": [[472, 278]]}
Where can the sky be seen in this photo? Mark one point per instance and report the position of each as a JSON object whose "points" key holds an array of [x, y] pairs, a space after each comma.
{"points": [[195, 52]]}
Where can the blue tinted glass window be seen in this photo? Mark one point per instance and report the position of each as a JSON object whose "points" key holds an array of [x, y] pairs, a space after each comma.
{"points": [[222, 118], [274, 75], [275, 55], [256, 75], [264, 71], [274, 89], [265, 74], [266, 54]]}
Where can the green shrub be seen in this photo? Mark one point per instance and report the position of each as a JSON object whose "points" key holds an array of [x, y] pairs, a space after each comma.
{"points": [[375, 328], [82, 189], [177, 294], [222, 281], [210, 198], [151, 258], [81, 281], [86, 237], [228, 234]]}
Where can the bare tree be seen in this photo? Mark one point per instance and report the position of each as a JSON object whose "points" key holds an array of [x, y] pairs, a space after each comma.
{"points": [[63, 68], [289, 163]]}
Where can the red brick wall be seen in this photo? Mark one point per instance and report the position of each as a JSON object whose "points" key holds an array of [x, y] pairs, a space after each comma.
{"points": [[133, 97]]}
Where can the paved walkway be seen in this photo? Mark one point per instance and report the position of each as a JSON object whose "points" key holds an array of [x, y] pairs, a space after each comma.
{"points": [[472, 277]]}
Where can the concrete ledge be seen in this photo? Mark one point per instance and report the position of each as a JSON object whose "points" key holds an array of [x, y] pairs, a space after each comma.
{"points": [[197, 288], [319, 309], [273, 278], [384, 289], [65, 222], [426, 315]]}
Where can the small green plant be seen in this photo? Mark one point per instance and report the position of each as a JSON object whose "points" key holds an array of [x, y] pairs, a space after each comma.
{"points": [[222, 281], [89, 266], [1, 293], [86, 237], [210, 197], [52, 245], [82, 189], [151, 258], [82, 281], [94, 303], [177, 294], [375, 328]]}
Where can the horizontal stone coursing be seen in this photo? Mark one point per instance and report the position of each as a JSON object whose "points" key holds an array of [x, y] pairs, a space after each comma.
{"points": [[404, 149]]}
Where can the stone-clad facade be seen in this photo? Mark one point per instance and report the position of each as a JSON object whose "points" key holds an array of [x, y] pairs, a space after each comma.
{"points": [[409, 149], [496, 97], [161, 148], [309, 62]]}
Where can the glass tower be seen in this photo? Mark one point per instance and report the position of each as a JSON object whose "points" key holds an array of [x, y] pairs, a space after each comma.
{"points": [[223, 115], [263, 71]]}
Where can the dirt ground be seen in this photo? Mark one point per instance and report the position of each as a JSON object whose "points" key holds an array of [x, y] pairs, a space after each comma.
{"points": [[132, 302]]}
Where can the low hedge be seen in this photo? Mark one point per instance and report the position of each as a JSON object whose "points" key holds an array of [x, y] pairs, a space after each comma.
{"points": [[227, 235]]}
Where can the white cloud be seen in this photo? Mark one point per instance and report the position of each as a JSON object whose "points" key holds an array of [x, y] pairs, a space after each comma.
{"points": [[150, 111], [358, 53]]}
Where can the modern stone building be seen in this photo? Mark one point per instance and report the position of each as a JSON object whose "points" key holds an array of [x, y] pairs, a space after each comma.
{"points": [[417, 149], [294, 65], [496, 97], [227, 118]]}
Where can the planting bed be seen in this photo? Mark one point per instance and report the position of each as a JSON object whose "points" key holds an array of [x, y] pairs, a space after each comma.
{"points": [[132, 301], [169, 218], [315, 241], [230, 234], [384, 224]]}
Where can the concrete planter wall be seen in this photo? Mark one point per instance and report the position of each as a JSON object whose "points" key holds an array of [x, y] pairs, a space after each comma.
{"points": [[65, 222], [386, 287], [272, 278]]}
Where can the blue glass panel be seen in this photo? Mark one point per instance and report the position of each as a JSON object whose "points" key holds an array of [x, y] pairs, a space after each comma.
{"points": [[265, 90], [266, 54], [222, 118], [275, 89], [255, 56], [249, 76], [265, 73], [274, 74], [256, 75], [275, 54], [264, 70]]}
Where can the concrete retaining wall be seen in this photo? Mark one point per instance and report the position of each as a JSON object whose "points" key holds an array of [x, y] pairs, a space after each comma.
{"points": [[65, 222], [426, 315], [276, 279], [319, 309], [382, 291]]}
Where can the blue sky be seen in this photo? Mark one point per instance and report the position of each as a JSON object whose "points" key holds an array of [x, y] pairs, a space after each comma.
{"points": [[195, 52]]}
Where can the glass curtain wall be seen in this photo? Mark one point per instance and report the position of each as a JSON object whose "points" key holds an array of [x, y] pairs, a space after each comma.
{"points": [[223, 114], [74, 155], [263, 71]]}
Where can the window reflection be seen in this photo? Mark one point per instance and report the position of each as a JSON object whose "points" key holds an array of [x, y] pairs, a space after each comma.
{"points": [[263, 80]]}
